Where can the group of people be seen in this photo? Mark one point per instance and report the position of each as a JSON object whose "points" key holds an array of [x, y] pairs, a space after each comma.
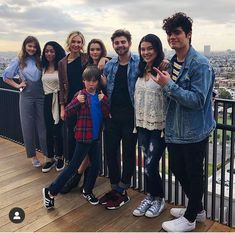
{"points": [[161, 103]]}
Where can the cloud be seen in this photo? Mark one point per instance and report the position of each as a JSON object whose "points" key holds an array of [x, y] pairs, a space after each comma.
{"points": [[54, 19]]}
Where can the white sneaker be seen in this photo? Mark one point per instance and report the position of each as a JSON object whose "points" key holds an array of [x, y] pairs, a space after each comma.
{"points": [[180, 224], [156, 208], [178, 212]]}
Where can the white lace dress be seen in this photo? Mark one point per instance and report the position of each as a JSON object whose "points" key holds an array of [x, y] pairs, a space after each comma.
{"points": [[150, 105]]}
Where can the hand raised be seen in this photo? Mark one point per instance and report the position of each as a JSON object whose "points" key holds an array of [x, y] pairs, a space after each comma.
{"points": [[81, 97], [161, 78]]}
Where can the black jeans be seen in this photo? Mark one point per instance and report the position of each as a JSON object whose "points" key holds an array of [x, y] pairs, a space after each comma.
{"points": [[115, 132], [81, 150], [53, 131], [186, 162], [153, 146]]}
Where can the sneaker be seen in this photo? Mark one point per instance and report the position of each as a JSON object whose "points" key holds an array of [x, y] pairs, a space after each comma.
{"points": [[48, 166], [143, 206], [59, 164], [90, 197], [36, 163], [180, 224], [178, 212], [107, 197], [117, 201], [71, 183], [48, 202], [156, 208]]}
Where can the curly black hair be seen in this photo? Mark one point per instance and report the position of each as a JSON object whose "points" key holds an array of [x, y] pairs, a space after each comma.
{"points": [[179, 19]]}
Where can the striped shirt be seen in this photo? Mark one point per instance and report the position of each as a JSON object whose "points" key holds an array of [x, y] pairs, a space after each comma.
{"points": [[176, 69]]}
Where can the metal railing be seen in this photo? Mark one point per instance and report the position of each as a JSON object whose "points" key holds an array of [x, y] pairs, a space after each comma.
{"points": [[219, 197]]}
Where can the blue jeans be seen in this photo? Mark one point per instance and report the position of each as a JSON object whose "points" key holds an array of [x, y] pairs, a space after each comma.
{"points": [[81, 150], [153, 145]]}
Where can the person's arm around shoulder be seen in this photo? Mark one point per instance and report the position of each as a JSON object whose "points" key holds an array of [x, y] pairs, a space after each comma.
{"points": [[102, 62]]}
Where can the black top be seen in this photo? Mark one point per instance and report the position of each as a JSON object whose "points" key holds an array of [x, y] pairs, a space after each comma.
{"points": [[121, 106], [74, 72]]}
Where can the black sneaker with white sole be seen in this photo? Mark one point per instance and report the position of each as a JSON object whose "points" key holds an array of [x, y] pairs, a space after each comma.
{"points": [[48, 166], [48, 202], [90, 197], [60, 164]]}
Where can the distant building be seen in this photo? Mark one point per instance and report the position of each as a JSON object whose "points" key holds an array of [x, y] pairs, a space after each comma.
{"points": [[207, 50]]}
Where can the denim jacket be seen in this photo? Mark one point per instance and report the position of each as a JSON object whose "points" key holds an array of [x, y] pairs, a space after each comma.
{"points": [[189, 112], [110, 71]]}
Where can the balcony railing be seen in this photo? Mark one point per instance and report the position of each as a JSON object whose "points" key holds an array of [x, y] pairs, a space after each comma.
{"points": [[219, 198]]}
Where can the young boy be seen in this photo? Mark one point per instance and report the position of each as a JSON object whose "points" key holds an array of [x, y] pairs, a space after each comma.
{"points": [[90, 108]]}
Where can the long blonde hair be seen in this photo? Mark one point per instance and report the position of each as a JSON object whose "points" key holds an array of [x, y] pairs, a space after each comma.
{"points": [[23, 54], [71, 36]]}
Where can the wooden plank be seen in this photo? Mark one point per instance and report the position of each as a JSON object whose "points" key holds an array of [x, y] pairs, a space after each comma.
{"points": [[73, 216], [149, 224], [216, 227], [21, 186], [105, 217]]}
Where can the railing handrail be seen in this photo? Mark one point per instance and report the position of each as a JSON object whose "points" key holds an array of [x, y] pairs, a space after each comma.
{"points": [[9, 90], [215, 203]]}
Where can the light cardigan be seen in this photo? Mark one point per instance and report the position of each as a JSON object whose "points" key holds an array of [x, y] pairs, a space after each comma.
{"points": [[150, 105], [50, 83]]}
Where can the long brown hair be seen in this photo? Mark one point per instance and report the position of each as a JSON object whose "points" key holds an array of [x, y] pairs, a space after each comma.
{"points": [[23, 54], [102, 47]]}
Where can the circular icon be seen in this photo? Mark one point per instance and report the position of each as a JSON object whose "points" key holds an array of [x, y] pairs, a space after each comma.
{"points": [[16, 215]]}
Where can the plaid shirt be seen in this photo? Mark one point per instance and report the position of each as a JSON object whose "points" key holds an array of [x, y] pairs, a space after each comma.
{"points": [[83, 129]]}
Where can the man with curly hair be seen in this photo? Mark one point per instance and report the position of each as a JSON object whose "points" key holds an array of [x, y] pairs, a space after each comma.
{"points": [[188, 85]]}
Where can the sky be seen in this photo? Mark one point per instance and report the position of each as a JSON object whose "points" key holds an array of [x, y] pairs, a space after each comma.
{"points": [[213, 20]]}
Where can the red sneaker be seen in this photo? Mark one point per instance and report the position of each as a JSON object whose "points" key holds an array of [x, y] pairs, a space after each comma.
{"points": [[117, 201], [107, 197]]}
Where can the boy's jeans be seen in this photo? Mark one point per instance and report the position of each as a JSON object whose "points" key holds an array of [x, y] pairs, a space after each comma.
{"points": [[81, 150]]}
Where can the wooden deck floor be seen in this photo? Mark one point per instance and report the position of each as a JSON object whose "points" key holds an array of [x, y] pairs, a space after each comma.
{"points": [[21, 186]]}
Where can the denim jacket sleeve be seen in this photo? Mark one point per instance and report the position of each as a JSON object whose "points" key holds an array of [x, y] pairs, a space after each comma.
{"points": [[193, 86]]}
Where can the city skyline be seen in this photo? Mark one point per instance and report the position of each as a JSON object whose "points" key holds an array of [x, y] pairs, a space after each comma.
{"points": [[214, 21]]}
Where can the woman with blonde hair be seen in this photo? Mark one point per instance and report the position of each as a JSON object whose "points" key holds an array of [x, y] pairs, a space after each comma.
{"points": [[70, 70]]}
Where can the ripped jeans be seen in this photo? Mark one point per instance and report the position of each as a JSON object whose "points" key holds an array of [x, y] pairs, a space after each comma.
{"points": [[153, 146]]}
